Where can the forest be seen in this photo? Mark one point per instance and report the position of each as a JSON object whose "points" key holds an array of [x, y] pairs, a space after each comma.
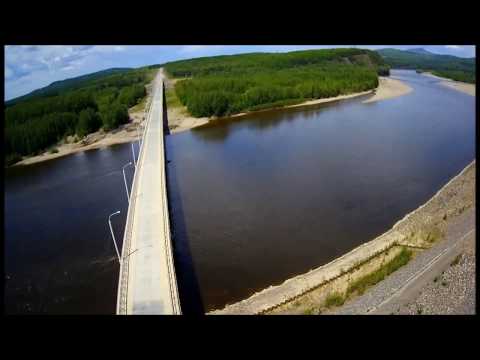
{"points": [[225, 85], [452, 67], [37, 122]]}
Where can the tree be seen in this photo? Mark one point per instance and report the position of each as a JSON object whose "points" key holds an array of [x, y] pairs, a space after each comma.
{"points": [[114, 115], [88, 121]]}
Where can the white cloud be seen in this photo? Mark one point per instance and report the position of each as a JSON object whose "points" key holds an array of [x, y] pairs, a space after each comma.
{"points": [[454, 47]]}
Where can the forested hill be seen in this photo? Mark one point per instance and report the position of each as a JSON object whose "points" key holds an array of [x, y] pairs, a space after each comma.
{"points": [[224, 85], [63, 85], [81, 106], [461, 69]]}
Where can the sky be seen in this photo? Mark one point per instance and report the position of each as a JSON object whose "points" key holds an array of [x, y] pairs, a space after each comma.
{"points": [[29, 67]]}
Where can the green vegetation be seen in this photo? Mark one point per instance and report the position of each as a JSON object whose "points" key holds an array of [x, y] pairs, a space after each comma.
{"points": [[433, 234], [172, 99], [225, 85], [360, 285], [309, 311], [79, 106], [140, 106], [334, 299], [57, 87], [452, 67], [456, 260], [468, 77]]}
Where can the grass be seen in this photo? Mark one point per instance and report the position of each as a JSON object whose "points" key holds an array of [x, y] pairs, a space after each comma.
{"points": [[360, 285], [434, 233], [172, 99], [53, 151], [140, 106], [309, 311], [334, 299], [456, 260]]}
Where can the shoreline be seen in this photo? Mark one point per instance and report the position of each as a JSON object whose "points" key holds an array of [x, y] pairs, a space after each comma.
{"points": [[453, 84], [388, 88], [179, 121], [125, 133], [449, 201]]}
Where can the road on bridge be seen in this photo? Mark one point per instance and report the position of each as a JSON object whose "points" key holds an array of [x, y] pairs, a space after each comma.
{"points": [[147, 283]]}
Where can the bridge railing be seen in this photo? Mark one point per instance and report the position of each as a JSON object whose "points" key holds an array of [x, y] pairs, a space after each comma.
{"points": [[122, 292], [167, 226]]}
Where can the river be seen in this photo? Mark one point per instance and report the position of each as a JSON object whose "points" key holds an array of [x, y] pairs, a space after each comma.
{"points": [[253, 201]]}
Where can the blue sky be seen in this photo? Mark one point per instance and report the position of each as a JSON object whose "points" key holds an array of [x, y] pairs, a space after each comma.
{"points": [[31, 67]]}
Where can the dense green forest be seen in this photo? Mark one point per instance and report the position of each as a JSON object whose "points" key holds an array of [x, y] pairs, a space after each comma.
{"points": [[225, 85], [58, 87], [452, 67], [37, 122]]}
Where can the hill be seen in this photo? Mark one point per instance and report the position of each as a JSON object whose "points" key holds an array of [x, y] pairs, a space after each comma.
{"points": [[76, 106], [229, 84], [460, 69], [57, 87], [420, 51]]}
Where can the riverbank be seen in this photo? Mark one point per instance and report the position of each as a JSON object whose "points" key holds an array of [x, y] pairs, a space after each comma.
{"points": [[389, 88], [456, 85], [100, 139], [330, 284], [123, 134], [179, 120]]}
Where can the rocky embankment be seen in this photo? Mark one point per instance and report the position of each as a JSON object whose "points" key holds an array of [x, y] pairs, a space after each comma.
{"points": [[332, 284]]}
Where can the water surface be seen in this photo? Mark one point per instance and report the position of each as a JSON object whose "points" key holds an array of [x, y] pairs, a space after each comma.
{"points": [[253, 202]]}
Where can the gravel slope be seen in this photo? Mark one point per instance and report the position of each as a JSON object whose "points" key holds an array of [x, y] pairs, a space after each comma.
{"points": [[429, 284]]}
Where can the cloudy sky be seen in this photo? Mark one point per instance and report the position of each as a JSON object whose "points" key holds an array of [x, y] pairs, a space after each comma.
{"points": [[31, 67]]}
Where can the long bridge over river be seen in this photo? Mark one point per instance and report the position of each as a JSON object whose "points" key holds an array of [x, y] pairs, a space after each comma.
{"points": [[147, 281]]}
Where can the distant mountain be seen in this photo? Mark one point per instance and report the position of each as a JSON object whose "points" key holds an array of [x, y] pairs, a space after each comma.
{"points": [[453, 67], [62, 85], [420, 51]]}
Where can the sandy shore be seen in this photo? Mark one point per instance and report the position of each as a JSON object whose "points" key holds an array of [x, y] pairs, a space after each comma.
{"points": [[456, 85], [179, 119], [100, 139], [123, 134], [389, 88], [460, 86]]}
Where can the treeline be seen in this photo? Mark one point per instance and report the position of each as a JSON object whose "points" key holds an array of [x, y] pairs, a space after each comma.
{"points": [[225, 85], [452, 67], [57, 87], [467, 77], [34, 124]]}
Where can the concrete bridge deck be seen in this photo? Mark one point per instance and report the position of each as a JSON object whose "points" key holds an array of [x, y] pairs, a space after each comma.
{"points": [[147, 282]]}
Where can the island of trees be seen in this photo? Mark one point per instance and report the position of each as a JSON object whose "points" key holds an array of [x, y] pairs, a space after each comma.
{"points": [[73, 107], [225, 85]]}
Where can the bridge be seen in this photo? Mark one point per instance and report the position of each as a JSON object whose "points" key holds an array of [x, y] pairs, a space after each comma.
{"points": [[147, 281]]}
